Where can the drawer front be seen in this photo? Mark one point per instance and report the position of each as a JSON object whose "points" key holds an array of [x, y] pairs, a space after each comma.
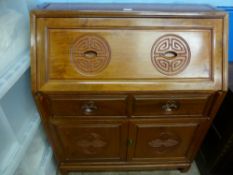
{"points": [[92, 105], [157, 140], [172, 104], [100, 52], [92, 140]]}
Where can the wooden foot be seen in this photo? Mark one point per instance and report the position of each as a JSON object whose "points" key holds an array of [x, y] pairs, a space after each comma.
{"points": [[185, 169]]}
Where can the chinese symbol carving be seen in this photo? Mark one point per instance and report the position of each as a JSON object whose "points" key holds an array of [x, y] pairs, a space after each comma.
{"points": [[170, 54], [165, 142], [91, 143], [90, 54]]}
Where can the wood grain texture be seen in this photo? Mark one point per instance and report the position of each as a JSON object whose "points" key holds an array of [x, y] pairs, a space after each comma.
{"points": [[127, 90]]}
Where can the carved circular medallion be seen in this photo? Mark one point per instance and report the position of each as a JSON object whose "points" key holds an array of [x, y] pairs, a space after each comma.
{"points": [[170, 54], [90, 54]]}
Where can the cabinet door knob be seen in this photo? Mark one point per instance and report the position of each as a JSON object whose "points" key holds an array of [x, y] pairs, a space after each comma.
{"points": [[170, 106], [130, 142], [89, 108]]}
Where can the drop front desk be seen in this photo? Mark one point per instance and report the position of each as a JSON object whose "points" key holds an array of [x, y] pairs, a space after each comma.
{"points": [[127, 87]]}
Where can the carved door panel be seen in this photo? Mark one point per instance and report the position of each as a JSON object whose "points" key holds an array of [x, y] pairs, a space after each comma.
{"points": [[162, 140], [93, 140]]}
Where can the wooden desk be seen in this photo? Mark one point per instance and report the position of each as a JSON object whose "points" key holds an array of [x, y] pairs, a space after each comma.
{"points": [[127, 87]]}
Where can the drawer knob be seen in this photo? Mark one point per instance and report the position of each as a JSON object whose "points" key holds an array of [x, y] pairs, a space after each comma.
{"points": [[90, 54], [89, 108], [170, 106]]}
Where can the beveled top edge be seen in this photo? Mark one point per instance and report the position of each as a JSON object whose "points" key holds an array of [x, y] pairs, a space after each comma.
{"points": [[159, 7], [125, 10]]}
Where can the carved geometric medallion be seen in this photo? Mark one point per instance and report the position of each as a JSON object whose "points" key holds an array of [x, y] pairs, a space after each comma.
{"points": [[170, 54], [90, 54], [165, 142], [91, 143]]}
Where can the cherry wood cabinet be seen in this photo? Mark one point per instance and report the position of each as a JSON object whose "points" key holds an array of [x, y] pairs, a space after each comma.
{"points": [[126, 86]]}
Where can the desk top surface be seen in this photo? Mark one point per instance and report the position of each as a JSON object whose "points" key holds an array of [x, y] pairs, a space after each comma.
{"points": [[129, 7]]}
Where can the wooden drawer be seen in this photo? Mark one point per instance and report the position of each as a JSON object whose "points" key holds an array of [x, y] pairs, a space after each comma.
{"points": [[87, 105], [172, 104], [153, 78]]}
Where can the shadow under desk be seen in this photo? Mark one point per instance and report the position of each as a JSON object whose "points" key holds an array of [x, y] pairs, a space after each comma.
{"points": [[216, 154]]}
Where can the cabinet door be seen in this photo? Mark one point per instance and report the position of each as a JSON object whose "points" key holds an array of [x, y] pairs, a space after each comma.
{"points": [[163, 140], [92, 140]]}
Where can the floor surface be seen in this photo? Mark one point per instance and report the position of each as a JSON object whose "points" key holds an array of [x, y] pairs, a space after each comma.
{"points": [[193, 171]]}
